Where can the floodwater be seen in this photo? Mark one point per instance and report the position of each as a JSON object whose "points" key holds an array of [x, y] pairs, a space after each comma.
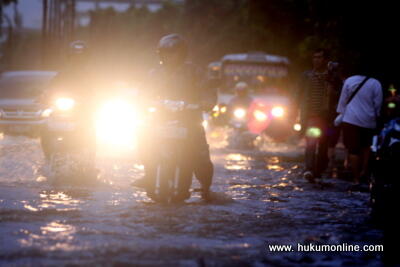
{"points": [[260, 199]]}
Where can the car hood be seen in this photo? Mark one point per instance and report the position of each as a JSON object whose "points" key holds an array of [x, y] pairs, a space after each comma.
{"points": [[16, 103]]}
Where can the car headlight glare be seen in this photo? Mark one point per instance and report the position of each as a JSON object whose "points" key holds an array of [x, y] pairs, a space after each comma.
{"points": [[65, 104], [47, 112]]}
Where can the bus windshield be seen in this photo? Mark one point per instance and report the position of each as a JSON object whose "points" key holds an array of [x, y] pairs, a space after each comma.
{"points": [[260, 77], [264, 73]]}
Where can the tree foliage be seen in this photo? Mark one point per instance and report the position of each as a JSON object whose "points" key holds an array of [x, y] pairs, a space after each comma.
{"points": [[351, 30]]}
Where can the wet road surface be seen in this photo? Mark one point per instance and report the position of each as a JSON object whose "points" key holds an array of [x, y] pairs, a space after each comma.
{"points": [[260, 200]]}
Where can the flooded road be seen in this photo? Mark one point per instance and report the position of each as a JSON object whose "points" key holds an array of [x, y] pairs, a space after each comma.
{"points": [[260, 200]]}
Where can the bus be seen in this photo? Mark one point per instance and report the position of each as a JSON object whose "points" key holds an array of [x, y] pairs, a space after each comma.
{"points": [[268, 78]]}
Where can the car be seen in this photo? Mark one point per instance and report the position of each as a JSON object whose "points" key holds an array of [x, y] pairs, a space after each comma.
{"points": [[20, 112]]}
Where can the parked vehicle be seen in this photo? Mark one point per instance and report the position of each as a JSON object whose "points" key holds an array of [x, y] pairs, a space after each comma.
{"points": [[20, 113]]}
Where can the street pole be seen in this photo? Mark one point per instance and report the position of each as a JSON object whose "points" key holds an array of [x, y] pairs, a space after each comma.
{"points": [[44, 45], [58, 27]]}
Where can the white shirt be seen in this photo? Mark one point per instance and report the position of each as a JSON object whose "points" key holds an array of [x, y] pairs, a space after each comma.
{"points": [[365, 107]]}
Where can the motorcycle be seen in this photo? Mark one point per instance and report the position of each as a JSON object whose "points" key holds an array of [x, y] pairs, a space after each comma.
{"points": [[168, 162], [67, 139], [385, 185], [241, 137], [74, 131]]}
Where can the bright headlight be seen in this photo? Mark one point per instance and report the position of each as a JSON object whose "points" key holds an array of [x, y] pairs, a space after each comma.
{"points": [[297, 127], [259, 115], [65, 104], [116, 123], [239, 113], [278, 112]]}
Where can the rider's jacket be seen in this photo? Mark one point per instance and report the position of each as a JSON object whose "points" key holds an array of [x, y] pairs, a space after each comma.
{"points": [[78, 84], [184, 83], [73, 83]]}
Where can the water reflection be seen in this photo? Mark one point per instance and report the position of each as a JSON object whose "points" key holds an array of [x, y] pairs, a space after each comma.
{"points": [[273, 164], [55, 235], [275, 168], [59, 200], [30, 208], [57, 229], [237, 161]]}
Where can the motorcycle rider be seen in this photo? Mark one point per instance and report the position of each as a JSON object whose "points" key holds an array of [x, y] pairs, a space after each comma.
{"points": [[73, 81], [177, 79], [241, 98]]}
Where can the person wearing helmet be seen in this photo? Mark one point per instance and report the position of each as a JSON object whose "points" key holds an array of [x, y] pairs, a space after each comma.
{"points": [[73, 80], [241, 98], [177, 79]]}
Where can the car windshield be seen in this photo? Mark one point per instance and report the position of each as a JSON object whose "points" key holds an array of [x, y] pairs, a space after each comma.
{"points": [[23, 86]]}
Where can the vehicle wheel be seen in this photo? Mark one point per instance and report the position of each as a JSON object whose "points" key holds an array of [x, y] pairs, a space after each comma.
{"points": [[157, 174], [185, 182], [166, 192]]}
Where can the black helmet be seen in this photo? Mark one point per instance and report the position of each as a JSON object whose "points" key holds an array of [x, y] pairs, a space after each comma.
{"points": [[172, 47], [77, 47]]}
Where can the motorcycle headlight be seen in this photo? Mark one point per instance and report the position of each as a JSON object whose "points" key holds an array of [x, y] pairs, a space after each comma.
{"points": [[297, 127], [65, 104], [259, 115], [152, 109], [116, 123], [278, 111], [223, 109], [239, 113]]}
